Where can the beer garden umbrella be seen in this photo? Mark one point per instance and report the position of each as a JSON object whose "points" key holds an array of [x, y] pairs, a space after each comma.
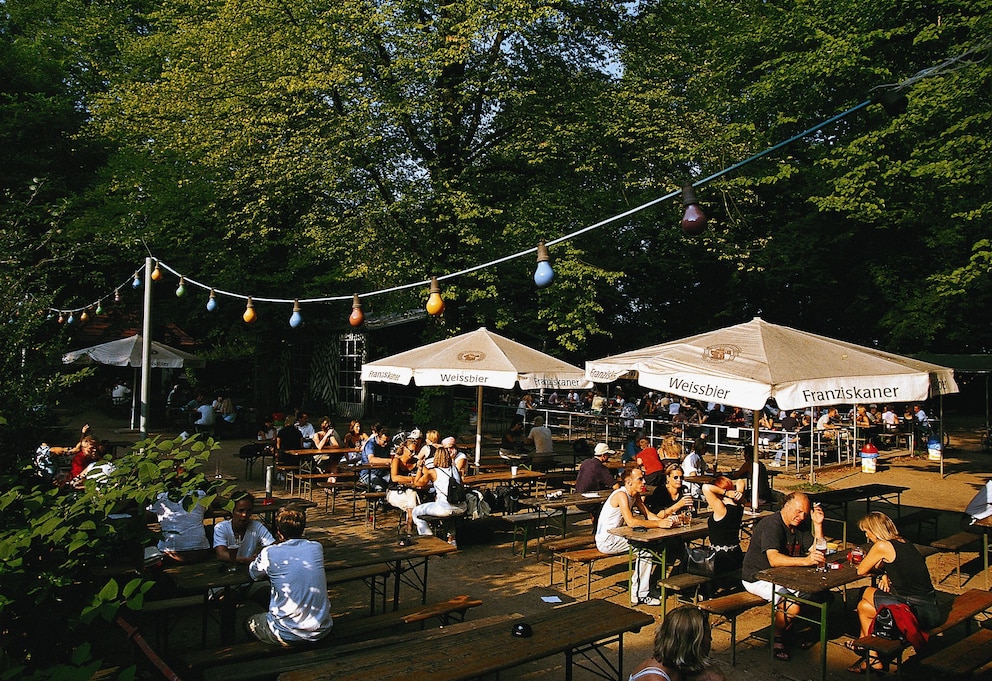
{"points": [[126, 352], [479, 359], [746, 364]]}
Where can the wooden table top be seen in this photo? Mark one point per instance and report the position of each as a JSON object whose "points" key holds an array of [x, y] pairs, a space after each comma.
{"points": [[565, 500], [487, 649], [326, 450], [808, 580], [697, 528], [502, 476]]}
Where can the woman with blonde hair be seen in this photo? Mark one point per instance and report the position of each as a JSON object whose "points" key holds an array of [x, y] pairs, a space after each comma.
{"points": [[671, 450], [440, 476], [681, 650], [432, 441], [905, 580]]}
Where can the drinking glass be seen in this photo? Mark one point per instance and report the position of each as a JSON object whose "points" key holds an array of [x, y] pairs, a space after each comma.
{"points": [[821, 545]]}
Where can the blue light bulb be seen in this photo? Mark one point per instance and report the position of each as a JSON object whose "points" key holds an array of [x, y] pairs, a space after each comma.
{"points": [[211, 302], [136, 283], [296, 319], [544, 275], [70, 319]]}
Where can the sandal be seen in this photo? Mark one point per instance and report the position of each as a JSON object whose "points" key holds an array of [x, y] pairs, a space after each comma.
{"points": [[865, 663], [780, 652], [851, 645]]}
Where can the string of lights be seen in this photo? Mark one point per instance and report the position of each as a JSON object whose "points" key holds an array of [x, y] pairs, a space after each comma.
{"points": [[891, 97]]}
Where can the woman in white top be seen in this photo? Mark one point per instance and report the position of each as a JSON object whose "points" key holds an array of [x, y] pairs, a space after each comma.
{"points": [[681, 650], [440, 476], [184, 539]]}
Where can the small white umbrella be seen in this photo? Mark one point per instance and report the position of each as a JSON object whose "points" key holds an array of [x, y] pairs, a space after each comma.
{"points": [[479, 358], [126, 352]]}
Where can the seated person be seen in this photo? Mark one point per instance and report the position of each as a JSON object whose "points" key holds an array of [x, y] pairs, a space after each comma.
{"points": [[326, 438], [905, 579], [619, 511], [204, 414], [240, 539], [540, 437], [400, 492], [746, 473], [681, 650], [649, 460], [458, 457], [670, 452], [376, 453], [594, 476], [440, 477], [299, 611], [779, 540], [512, 443], [693, 464], [289, 436], [184, 539], [723, 498], [827, 424], [87, 451], [670, 498]]}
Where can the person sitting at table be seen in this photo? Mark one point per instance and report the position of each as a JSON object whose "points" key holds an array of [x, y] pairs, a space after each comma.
{"points": [[723, 498], [432, 440], [241, 538], [649, 461], [780, 540], [827, 424], [440, 477], [266, 431], [458, 457], [400, 493], [184, 539], [540, 437], [204, 413], [326, 438], [671, 451], [376, 453], [905, 579], [746, 473], [594, 476], [86, 452], [289, 437], [671, 497], [681, 650], [790, 424], [512, 443], [694, 464], [299, 611], [306, 429], [618, 511], [355, 438]]}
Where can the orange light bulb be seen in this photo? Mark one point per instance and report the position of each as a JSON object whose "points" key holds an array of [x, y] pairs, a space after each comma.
{"points": [[357, 316], [249, 316], [435, 304]]}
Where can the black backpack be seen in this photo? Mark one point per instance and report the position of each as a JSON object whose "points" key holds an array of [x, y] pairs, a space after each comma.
{"points": [[456, 490]]}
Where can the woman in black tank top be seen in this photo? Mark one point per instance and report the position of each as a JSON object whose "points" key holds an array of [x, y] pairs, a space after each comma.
{"points": [[905, 579]]}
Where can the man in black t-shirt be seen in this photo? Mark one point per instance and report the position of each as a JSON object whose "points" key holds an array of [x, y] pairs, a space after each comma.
{"points": [[782, 540]]}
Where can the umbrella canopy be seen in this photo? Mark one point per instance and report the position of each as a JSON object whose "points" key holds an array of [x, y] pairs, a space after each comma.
{"points": [[126, 352], [479, 358], [746, 364]]}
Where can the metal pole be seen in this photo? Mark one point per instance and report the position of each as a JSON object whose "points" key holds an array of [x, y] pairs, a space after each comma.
{"points": [[478, 429], [754, 460], [146, 349]]}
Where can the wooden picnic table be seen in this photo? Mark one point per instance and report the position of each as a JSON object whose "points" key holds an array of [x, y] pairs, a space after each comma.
{"points": [[840, 498], [809, 581], [522, 475], [560, 503], [578, 629]]}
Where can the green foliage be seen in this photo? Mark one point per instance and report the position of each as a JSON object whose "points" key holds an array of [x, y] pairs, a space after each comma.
{"points": [[59, 549]]}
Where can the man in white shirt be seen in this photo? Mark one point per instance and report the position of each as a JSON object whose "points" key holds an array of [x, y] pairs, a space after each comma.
{"points": [[242, 538], [306, 430], [540, 437], [299, 611]]}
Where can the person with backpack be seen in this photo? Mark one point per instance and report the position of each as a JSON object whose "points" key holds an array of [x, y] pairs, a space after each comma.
{"points": [[447, 482]]}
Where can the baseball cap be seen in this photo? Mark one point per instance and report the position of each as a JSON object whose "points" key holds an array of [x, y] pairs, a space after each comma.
{"points": [[448, 442], [602, 449], [413, 434]]}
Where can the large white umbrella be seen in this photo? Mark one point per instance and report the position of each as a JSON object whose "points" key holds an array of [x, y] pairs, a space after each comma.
{"points": [[126, 352], [746, 364], [481, 359]]}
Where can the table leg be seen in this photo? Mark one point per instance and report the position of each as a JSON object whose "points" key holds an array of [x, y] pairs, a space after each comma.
{"points": [[985, 555]]}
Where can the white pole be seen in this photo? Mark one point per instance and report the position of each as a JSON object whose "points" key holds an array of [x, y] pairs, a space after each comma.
{"points": [[146, 349], [754, 461], [478, 429]]}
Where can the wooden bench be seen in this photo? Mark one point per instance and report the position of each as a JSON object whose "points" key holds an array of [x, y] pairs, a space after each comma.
{"points": [[963, 610], [164, 611], [920, 518], [587, 557], [346, 482], [956, 543], [730, 607], [521, 525], [256, 660], [962, 658], [373, 500], [560, 546], [682, 583]]}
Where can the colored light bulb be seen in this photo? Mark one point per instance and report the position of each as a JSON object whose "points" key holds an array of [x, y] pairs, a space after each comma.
{"points": [[249, 316], [435, 304], [117, 295], [694, 219], [296, 318], [99, 308], [357, 316], [543, 275], [211, 302], [70, 319], [136, 283], [156, 273], [181, 289]]}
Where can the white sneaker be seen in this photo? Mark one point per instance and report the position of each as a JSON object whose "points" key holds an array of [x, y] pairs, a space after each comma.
{"points": [[775, 464], [649, 600]]}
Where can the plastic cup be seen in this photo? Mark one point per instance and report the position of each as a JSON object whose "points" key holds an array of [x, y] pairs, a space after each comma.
{"points": [[513, 471]]}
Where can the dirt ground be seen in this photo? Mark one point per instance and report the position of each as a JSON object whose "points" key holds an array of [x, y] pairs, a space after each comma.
{"points": [[485, 567]]}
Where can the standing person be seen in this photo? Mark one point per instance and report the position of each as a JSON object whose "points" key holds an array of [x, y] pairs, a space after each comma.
{"points": [[299, 611], [441, 475], [540, 437], [681, 650], [790, 424], [240, 539], [780, 540], [619, 511], [905, 580], [525, 404], [594, 476]]}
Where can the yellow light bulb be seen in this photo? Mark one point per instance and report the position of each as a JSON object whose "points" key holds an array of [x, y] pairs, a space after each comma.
{"points": [[249, 316], [435, 304]]}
